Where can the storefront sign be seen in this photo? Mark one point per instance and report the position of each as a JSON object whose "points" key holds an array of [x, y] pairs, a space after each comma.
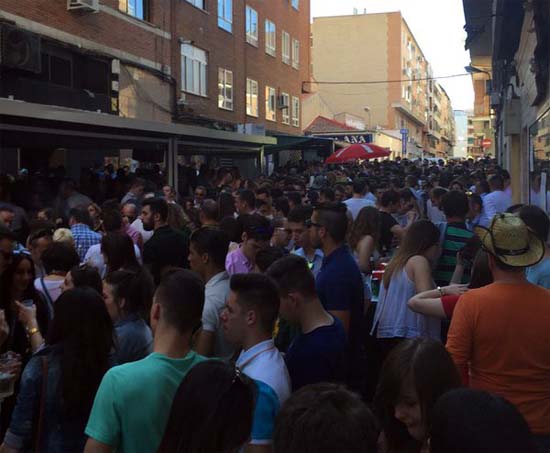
{"points": [[350, 138]]}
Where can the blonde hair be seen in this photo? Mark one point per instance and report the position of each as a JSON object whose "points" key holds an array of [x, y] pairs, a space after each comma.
{"points": [[63, 235]]}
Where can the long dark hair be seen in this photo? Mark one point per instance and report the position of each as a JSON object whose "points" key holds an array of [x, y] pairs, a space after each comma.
{"points": [[7, 281], [135, 287], [199, 420], [420, 236], [428, 367], [481, 273], [119, 252], [366, 223], [83, 329]]}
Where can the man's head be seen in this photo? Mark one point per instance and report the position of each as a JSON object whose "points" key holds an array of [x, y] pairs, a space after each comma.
{"points": [[245, 202], [7, 241], [391, 201], [294, 199], [112, 221], [264, 194], [328, 225], [169, 193], [297, 225], [360, 187], [251, 309], [7, 215], [326, 194], [436, 195], [339, 193], [138, 187], [208, 212], [496, 182], [208, 250], [256, 235], [129, 212], [325, 417], [38, 242], [66, 188], [296, 285], [154, 213], [455, 205], [171, 311], [200, 194], [406, 201], [79, 216]]}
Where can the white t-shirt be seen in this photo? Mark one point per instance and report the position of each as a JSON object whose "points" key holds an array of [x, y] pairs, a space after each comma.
{"points": [[53, 288], [496, 202], [356, 204], [138, 225]]}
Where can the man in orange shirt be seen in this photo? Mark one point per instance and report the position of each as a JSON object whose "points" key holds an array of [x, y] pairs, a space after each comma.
{"points": [[500, 334]]}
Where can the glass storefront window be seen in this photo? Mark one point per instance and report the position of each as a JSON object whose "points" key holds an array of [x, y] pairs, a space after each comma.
{"points": [[539, 162]]}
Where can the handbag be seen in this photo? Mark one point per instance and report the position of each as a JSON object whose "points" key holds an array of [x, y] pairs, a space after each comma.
{"points": [[39, 429]]}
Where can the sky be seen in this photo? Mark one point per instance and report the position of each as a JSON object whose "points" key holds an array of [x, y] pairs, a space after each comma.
{"points": [[437, 26]]}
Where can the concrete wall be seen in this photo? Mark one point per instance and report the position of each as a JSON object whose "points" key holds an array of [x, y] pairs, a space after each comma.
{"points": [[352, 48]]}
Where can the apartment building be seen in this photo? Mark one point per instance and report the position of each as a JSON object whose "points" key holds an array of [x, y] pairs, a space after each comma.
{"points": [[243, 62], [381, 48]]}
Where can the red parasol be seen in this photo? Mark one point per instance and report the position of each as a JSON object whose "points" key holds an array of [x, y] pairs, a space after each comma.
{"points": [[356, 152]]}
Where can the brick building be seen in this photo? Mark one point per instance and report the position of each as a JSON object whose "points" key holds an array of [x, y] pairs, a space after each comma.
{"points": [[190, 62]]}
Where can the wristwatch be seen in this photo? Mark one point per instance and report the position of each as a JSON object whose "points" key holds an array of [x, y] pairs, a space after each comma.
{"points": [[441, 293]]}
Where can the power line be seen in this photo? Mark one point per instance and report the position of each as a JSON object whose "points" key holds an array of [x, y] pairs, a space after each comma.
{"points": [[373, 82]]}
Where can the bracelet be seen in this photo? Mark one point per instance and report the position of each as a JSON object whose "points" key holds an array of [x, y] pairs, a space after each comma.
{"points": [[441, 292], [31, 332]]}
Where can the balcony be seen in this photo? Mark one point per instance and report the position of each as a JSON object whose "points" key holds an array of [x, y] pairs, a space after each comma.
{"points": [[405, 110]]}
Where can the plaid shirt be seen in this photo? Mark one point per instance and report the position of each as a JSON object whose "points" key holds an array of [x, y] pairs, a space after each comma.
{"points": [[84, 238]]}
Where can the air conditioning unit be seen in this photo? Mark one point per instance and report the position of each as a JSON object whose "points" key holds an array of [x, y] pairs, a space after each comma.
{"points": [[282, 102], [20, 49], [84, 5]]}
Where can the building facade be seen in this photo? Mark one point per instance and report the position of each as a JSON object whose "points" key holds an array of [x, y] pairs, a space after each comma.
{"points": [[226, 65], [381, 48], [512, 49], [460, 149]]}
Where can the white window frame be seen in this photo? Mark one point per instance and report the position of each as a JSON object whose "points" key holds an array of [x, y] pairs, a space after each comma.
{"points": [[296, 4], [197, 58], [285, 112], [295, 53], [285, 45], [225, 15], [296, 111], [270, 104], [197, 3], [270, 39], [251, 31], [225, 89], [252, 98]]}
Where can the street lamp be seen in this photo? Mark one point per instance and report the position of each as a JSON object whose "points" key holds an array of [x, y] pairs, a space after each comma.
{"points": [[473, 70]]}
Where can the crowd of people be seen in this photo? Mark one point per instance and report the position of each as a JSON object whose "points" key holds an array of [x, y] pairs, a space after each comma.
{"points": [[391, 306]]}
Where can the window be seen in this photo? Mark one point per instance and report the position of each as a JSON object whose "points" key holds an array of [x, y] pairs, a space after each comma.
{"points": [[225, 89], [135, 8], [270, 104], [286, 47], [197, 3], [270, 38], [295, 4], [295, 111], [225, 14], [295, 53], [193, 70], [251, 26], [285, 108], [251, 97]]}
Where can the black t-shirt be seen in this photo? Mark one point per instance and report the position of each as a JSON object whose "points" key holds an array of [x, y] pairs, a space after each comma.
{"points": [[167, 247], [387, 222]]}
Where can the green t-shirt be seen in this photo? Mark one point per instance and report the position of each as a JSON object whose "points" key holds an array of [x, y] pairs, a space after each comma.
{"points": [[133, 402]]}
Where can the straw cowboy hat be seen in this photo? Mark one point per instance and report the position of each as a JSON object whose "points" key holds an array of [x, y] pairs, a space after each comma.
{"points": [[511, 241]]}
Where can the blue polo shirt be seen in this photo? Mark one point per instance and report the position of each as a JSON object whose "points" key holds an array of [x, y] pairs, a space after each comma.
{"points": [[340, 288]]}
